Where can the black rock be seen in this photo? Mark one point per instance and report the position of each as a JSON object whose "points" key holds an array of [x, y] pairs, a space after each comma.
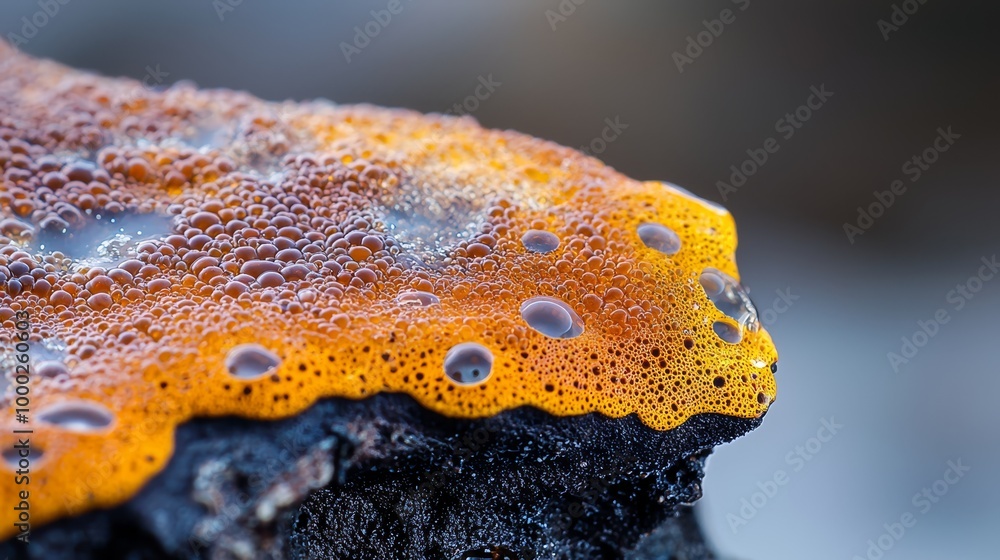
{"points": [[384, 478]]}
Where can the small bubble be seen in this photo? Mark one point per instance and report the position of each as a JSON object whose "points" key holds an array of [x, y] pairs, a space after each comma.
{"points": [[100, 302], [271, 279], [51, 368], [540, 241], [660, 238], [12, 457], [468, 363], [551, 317], [727, 332], [417, 298], [250, 361], [77, 416]]}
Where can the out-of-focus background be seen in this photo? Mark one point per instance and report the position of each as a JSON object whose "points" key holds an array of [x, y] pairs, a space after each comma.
{"points": [[680, 92]]}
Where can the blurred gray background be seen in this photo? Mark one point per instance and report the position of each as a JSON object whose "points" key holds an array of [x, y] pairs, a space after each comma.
{"points": [[561, 68]]}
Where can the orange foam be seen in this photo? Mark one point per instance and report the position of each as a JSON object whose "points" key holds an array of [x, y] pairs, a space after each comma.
{"points": [[296, 228]]}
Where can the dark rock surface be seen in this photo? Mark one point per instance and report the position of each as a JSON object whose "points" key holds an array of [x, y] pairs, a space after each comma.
{"points": [[678, 538], [384, 478]]}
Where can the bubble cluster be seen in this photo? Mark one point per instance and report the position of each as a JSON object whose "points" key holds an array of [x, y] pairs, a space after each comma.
{"points": [[289, 253], [731, 299]]}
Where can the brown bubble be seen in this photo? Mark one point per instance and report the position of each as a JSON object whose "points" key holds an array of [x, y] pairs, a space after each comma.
{"points": [[256, 268], [477, 250], [100, 302], [60, 297], [360, 253], [202, 220], [270, 279]]}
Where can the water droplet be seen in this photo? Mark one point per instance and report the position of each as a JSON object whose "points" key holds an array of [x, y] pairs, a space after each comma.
{"points": [[417, 298], [77, 416], [214, 134], [730, 298], [430, 220], [250, 361], [727, 332], [551, 317], [659, 237], [540, 241], [468, 363], [12, 457], [103, 239], [51, 368], [49, 349]]}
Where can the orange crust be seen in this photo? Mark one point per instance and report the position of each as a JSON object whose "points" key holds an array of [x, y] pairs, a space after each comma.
{"points": [[435, 204]]}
